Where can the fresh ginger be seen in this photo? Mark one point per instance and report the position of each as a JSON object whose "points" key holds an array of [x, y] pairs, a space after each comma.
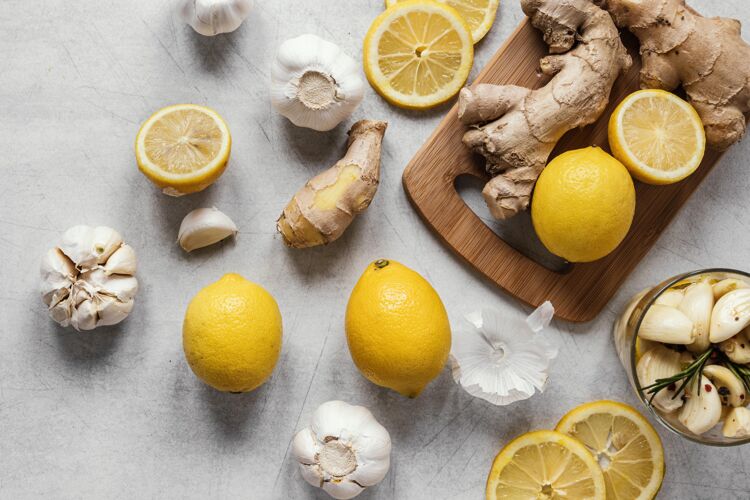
{"points": [[707, 56], [321, 211], [524, 125]]}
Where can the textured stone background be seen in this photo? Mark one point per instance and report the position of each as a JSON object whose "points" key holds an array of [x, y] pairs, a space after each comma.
{"points": [[117, 413]]}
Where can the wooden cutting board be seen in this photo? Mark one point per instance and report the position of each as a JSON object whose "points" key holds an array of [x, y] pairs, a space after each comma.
{"points": [[579, 291]]}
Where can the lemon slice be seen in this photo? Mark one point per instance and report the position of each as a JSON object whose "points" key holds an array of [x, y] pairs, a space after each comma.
{"points": [[657, 136], [183, 148], [545, 464], [623, 439], [478, 14], [418, 54]]}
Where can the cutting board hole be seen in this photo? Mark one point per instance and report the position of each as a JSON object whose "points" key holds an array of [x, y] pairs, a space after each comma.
{"points": [[517, 232]]}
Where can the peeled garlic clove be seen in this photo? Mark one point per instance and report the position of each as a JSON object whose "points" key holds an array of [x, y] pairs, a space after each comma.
{"points": [[203, 227], [105, 241], [77, 244], [122, 261], [666, 324], [737, 348], [731, 389], [701, 411], [657, 363], [84, 316], [730, 315], [737, 423], [112, 311], [671, 298], [697, 304], [725, 286]]}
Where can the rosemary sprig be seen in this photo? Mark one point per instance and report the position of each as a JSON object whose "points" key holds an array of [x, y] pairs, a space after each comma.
{"points": [[689, 373], [742, 372]]}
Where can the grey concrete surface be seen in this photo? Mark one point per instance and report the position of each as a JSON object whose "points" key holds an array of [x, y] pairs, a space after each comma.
{"points": [[117, 413]]}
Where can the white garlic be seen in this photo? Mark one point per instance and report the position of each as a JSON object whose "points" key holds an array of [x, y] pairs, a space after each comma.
{"points": [[697, 304], [203, 227], [737, 348], [722, 377], [737, 423], [730, 315], [666, 324], [660, 362], [725, 286], [213, 17], [670, 298], [343, 451], [702, 408], [89, 281], [314, 84]]}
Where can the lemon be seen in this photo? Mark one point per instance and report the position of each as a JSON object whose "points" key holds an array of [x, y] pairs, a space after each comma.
{"points": [[183, 148], [583, 205], [397, 328], [657, 136], [545, 464], [623, 439], [232, 334], [478, 14], [418, 54]]}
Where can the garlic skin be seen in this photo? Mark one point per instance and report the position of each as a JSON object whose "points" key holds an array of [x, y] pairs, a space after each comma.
{"points": [[666, 324], [731, 314], [697, 304], [88, 280], [213, 17], [737, 423], [657, 363], [702, 408], [314, 84], [343, 451], [502, 359], [203, 227]]}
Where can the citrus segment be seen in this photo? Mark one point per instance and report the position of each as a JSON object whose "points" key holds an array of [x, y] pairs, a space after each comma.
{"points": [[478, 14]]}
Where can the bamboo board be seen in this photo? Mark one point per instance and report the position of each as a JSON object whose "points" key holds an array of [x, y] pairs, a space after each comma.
{"points": [[582, 290]]}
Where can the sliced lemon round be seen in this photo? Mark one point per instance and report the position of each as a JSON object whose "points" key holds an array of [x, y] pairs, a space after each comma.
{"points": [[418, 54], [183, 148], [545, 464], [657, 136], [478, 14], [624, 442]]}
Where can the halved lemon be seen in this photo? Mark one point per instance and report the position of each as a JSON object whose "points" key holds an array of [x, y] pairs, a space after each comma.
{"points": [[545, 464], [478, 14], [625, 442], [183, 148], [657, 136], [418, 54]]}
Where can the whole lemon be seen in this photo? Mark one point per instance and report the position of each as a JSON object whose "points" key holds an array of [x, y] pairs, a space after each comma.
{"points": [[397, 328], [232, 334], [583, 205]]}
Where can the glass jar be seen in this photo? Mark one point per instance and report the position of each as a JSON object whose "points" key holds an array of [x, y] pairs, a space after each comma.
{"points": [[627, 345]]}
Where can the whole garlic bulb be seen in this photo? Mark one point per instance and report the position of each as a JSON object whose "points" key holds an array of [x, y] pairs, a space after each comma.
{"points": [[314, 84], [344, 450], [212, 17], [88, 280]]}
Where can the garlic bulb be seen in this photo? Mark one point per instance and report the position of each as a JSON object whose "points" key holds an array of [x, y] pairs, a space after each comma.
{"points": [[344, 450], [88, 280], [314, 84], [500, 359], [203, 227], [212, 17]]}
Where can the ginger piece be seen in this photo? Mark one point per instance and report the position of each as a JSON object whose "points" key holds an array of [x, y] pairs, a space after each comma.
{"points": [[524, 125], [707, 56], [321, 211]]}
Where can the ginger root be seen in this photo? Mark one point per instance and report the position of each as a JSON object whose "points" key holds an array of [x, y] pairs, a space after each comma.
{"points": [[707, 56], [320, 212], [524, 125]]}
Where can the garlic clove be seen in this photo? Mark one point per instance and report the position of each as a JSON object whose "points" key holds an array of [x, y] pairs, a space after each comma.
{"points": [[737, 423], [203, 227], [61, 312], [111, 311], [105, 241], [730, 315], [737, 348], [671, 298], [213, 17], [77, 243], [666, 324], [117, 285], [58, 273], [122, 261], [725, 286], [657, 363], [697, 304], [84, 316], [342, 490], [731, 389], [702, 408]]}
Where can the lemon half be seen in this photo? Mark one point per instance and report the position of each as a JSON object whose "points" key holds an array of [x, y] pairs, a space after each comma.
{"points": [[622, 437], [418, 54], [657, 136], [183, 148], [545, 464], [478, 14]]}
